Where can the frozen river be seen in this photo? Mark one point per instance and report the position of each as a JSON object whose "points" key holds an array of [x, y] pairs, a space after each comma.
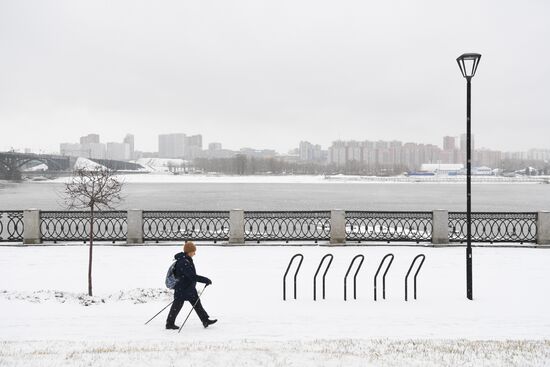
{"points": [[223, 194]]}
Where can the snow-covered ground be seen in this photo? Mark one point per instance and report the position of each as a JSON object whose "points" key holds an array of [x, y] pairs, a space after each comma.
{"points": [[45, 319], [161, 165], [166, 177], [84, 163], [161, 175]]}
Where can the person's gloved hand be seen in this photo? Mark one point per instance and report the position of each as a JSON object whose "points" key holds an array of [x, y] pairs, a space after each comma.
{"points": [[208, 281]]}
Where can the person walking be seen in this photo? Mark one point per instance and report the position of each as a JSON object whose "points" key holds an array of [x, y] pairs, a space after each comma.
{"points": [[185, 287]]}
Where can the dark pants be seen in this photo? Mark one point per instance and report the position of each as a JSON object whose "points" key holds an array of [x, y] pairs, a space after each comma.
{"points": [[178, 304]]}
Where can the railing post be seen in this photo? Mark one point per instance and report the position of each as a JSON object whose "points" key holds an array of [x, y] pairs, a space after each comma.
{"points": [[337, 226], [31, 227], [135, 227], [543, 227], [236, 226], [440, 227]]}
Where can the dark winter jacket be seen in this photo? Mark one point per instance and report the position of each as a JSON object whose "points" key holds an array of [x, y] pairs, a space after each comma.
{"points": [[187, 278]]}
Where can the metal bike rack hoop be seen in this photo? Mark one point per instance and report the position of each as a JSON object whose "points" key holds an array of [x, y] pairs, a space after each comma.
{"points": [[295, 274], [324, 274], [383, 276], [354, 277], [415, 274]]}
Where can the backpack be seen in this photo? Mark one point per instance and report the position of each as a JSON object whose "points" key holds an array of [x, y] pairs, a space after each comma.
{"points": [[171, 279]]}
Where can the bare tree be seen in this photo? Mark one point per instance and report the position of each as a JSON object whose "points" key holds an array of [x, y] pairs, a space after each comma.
{"points": [[94, 189], [171, 166]]}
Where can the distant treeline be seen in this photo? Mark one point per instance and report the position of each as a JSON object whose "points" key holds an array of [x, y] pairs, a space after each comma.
{"points": [[241, 164], [509, 165], [543, 167]]}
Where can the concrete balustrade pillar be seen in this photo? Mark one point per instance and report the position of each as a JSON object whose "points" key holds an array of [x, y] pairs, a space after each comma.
{"points": [[31, 227], [543, 228], [135, 227], [440, 227], [236, 226], [337, 227]]}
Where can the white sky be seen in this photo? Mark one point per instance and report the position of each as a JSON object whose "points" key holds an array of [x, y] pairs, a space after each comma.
{"points": [[271, 73]]}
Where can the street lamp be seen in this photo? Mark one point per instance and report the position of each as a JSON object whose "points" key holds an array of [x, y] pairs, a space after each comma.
{"points": [[468, 65]]}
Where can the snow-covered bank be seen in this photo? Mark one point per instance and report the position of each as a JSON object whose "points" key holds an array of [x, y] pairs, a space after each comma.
{"points": [[161, 165], [166, 177], [160, 177], [510, 310]]}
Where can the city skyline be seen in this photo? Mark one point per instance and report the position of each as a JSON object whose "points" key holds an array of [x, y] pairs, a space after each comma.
{"points": [[180, 153], [262, 74], [196, 141], [52, 147]]}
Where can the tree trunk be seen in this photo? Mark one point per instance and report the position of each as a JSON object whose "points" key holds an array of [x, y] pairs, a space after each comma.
{"points": [[90, 253]]}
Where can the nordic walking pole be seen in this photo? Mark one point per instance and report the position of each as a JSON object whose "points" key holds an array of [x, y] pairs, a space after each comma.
{"points": [[192, 308], [159, 312]]}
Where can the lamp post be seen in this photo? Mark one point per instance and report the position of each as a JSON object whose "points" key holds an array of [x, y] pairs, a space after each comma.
{"points": [[468, 65]]}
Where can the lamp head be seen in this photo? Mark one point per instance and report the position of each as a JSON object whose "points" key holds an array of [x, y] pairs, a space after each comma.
{"points": [[468, 64]]}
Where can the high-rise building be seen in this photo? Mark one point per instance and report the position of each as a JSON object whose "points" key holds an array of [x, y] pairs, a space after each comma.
{"points": [[118, 151], [411, 156], [539, 154], [194, 140], [129, 139], [337, 153], [305, 151], [354, 151], [94, 150], [369, 153], [214, 147], [71, 150], [172, 145], [449, 143], [382, 153], [193, 146], [89, 139], [91, 147], [309, 152], [516, 155], [487, 157], [396, 152]]}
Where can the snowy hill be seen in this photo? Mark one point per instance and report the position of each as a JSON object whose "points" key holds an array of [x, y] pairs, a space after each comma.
{"points": [[85, 163]]}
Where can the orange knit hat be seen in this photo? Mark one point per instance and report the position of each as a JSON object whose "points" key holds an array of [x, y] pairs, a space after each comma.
{"points": [[189, 247]]}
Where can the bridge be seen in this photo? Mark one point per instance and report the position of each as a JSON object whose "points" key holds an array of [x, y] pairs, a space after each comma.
{"points": [[12, 163]]}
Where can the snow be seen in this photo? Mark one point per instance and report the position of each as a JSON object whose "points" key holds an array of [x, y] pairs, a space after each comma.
{"points": [[38, 168], [84, 163], [160, 165], [160, 174], [47, 321]]}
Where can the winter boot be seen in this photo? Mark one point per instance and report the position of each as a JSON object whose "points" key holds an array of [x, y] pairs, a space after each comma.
{"points": [[172, 327], [208, 322]]}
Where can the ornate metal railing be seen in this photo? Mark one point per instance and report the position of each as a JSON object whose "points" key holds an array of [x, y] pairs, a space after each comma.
{"points": [[185, 225], [286, 226], [389, 226], [11, 225], [494, 227], [75, 225]]}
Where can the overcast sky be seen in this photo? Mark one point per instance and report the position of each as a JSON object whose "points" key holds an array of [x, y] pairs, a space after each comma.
{"points": [[271, 73]]}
